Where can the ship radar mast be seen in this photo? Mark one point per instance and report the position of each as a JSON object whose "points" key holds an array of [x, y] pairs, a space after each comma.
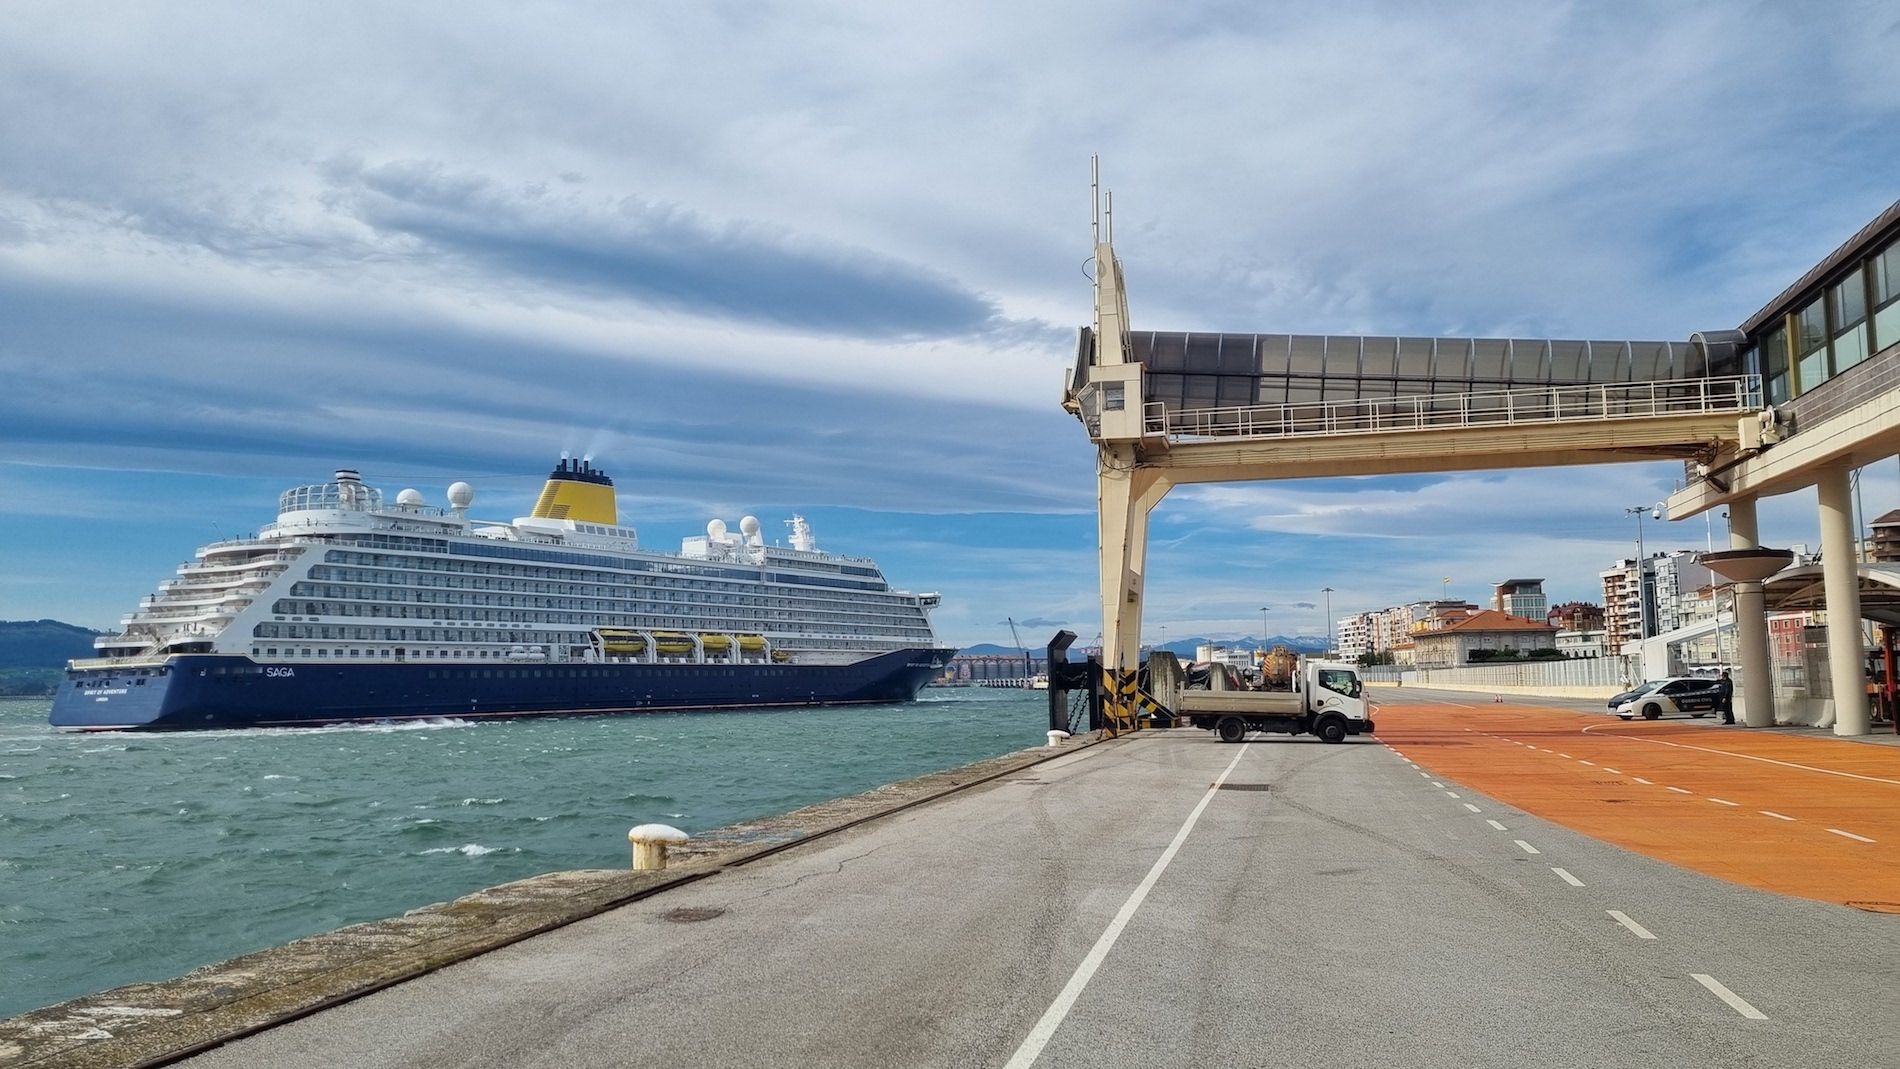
{"points": [[802, 539]]}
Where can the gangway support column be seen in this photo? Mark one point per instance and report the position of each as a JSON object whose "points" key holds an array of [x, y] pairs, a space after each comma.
{"points": [[1127, 493], [1751, 623], [1840, 585]]}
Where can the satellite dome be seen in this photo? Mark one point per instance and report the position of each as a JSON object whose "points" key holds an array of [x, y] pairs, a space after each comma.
{"points": [[410, 498], [461, 494], [749, 526], [716, 529]]}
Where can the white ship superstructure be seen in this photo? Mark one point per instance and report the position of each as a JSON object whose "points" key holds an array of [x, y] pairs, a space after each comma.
{"points": [[343, 577]]}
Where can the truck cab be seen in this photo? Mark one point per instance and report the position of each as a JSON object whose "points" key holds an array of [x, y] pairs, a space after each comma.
{"points": [[1328, 700]]}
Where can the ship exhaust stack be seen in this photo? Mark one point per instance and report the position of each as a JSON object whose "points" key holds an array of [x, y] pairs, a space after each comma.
{"points": [[578, 491]]}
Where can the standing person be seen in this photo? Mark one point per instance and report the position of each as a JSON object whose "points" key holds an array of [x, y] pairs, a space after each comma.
{"points": [[1725, 697]]}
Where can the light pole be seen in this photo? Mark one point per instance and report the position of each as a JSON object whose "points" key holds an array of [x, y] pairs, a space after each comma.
{"points": [[1263, 626], [1642, 565], [1328, 591]]}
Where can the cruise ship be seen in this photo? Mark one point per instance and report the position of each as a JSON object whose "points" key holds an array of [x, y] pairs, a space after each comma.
{"points": [[351, 608]]}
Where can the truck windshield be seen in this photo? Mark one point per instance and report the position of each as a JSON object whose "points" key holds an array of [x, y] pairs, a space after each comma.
{"points": [[1339, 681]]}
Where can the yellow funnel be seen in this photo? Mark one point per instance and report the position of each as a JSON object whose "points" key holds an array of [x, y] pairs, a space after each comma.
{"points": [[578, 491]]}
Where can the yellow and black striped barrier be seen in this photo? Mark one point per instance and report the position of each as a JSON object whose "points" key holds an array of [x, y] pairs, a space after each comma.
{"points": [[1126, 707]]}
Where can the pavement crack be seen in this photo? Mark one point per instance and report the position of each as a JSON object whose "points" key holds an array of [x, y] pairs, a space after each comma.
{"points": [[834, 871]]}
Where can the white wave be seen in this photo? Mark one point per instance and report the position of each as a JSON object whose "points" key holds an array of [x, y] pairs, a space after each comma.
{"points": [[384, 727], [275, 775], [466, 850], [483, 801]]}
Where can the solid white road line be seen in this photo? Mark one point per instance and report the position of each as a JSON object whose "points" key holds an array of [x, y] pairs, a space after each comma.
{"points": [[1678, 790], [1495, 824], [1473, 808], [1772, 813], [1745, 757], [1566, 876], [1045, 1028], [1735, 1001], [1623, 919], [1528, 848], [1722, 801], [1851, 835]]}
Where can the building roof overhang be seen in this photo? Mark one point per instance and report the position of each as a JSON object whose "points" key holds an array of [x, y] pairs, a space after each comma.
{"points": [[1801, 588]]}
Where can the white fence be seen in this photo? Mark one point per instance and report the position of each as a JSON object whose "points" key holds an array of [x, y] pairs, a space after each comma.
{"points": [[1593, 674]]}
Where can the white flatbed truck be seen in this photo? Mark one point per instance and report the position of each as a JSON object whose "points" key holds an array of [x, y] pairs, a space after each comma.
{"points": [[1329, 701]]}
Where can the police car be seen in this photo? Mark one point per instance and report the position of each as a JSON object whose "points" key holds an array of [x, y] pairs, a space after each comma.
{"points": [[1667, 697]]}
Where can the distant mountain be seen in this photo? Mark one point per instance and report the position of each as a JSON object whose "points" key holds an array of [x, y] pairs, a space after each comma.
{"points": [[42, 643]]}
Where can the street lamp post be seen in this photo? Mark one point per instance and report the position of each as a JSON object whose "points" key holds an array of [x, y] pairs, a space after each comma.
{"points": [[1642, 565], [1328, 591]]}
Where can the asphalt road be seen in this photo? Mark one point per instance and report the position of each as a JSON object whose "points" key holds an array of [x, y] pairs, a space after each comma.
{"points": [[1354, 912]]}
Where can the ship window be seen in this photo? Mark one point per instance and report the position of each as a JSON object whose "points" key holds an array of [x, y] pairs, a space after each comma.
{"points": [[323, 653]]}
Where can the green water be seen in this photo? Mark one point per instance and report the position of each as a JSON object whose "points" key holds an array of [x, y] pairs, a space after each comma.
{"points": [[128, 857]]}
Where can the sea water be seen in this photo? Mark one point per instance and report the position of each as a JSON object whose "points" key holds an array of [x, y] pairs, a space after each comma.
{"points": [[127, 857]]}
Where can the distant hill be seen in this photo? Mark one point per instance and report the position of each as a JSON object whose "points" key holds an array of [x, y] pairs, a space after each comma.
{"points": [[33, 652], [42, 643]]}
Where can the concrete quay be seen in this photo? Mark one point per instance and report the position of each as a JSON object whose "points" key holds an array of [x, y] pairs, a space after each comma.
{"points": [[1163, 899]]}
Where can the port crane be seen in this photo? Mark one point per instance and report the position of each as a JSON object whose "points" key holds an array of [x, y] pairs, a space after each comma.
{"points": [[1029, 671]]}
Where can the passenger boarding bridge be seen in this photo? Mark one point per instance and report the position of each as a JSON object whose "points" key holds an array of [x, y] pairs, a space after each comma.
{"points": [[1166, 409], [1170, 408]]}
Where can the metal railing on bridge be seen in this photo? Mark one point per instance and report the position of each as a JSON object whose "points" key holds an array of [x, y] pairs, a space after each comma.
{"points": [[1593, 402]]}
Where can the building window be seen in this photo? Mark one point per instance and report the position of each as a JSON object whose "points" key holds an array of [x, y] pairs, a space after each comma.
{"points": [[1810, 326], [1886, 279], [1774, 366], [1847, 313]]}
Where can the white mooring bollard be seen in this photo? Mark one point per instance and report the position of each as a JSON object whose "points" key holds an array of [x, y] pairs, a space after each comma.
{"points": [[650, 842], [1056, 737]]}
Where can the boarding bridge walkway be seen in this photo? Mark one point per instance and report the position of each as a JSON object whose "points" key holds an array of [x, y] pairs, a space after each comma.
{"points": [[1174, 408]]}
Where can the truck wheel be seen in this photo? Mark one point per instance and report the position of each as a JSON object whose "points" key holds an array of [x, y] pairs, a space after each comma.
{"points": [[1230, 729], [1332, 729], [1652, 711]]}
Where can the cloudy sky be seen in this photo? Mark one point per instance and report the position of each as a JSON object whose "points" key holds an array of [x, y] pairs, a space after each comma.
{"points": [[829, 257]]}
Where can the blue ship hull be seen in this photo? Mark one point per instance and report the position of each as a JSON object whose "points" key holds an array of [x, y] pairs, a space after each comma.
{"points": [[192, 692]]}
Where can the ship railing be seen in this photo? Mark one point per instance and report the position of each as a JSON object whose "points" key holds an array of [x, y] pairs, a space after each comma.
{"points": [[116, 662]]}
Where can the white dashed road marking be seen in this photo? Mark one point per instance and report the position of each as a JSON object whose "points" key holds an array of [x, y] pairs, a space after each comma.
{"points": [[1722, 801], [1735, 1001], [1473, 808], [1678, 790], [1623, 919], [1565, 875], [1528, 848], [1772, 813], [1495, 824], [1851, 835]]}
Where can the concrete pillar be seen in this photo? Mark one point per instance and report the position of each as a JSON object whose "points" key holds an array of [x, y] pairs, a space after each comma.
{"points": [[1840, 585], [1751, 624], [1125, 495]]}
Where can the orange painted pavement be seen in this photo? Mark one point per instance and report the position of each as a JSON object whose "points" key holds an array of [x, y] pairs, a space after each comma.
{"points": [[1585, 772]]}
